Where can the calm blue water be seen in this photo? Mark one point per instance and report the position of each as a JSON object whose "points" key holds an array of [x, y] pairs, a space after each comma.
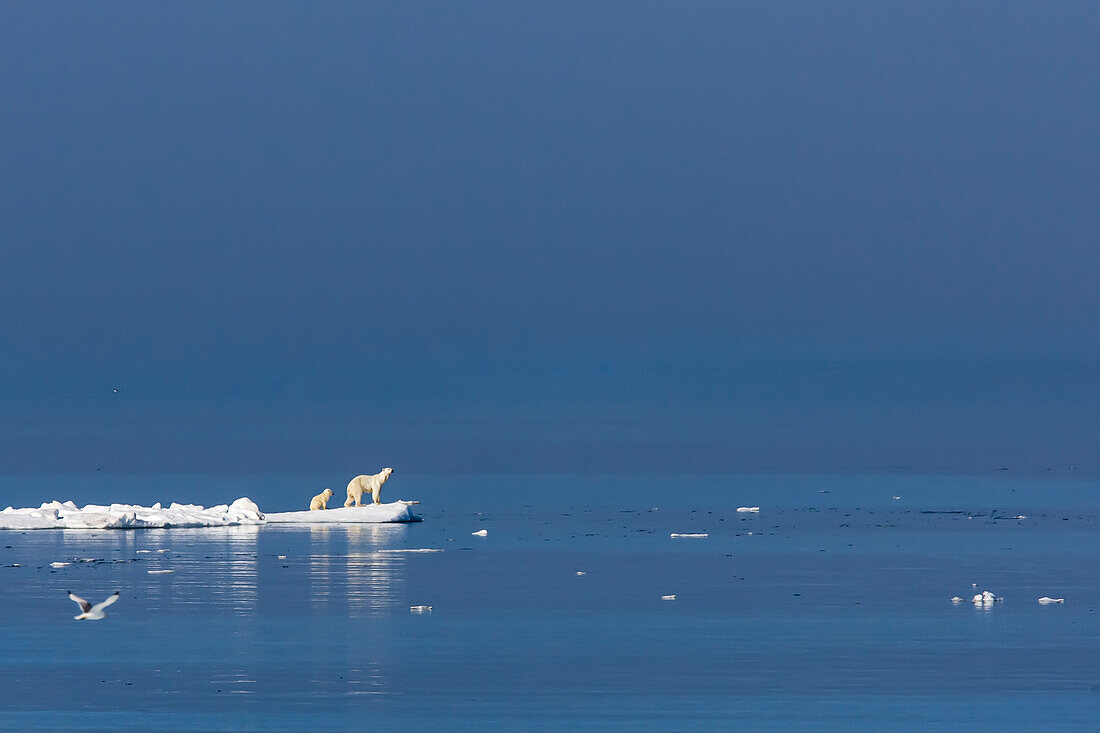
{"points": [[828, 611]]}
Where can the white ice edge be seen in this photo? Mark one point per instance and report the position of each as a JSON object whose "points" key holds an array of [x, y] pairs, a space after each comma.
{"points": [[67, 515]]}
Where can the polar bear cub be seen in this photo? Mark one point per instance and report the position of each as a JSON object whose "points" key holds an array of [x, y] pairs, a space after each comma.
{"points": [[370, 484], [321, 500]]}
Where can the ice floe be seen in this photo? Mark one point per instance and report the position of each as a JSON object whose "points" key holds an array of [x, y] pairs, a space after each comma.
{"points": [[669, 597], [420, 609], [1046, 600], [481, 533], [397, 511], [243, 511], [688, 535], [748, 509], [67, 515]]}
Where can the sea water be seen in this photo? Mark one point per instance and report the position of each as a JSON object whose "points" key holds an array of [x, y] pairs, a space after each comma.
{"points": [[829, 610]]}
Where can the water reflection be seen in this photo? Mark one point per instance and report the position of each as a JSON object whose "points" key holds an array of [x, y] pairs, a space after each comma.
{"points": [[345, 567]]}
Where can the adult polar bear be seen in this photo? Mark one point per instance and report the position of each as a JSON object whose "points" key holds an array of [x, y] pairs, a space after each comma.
{"points": [[369, 484]]}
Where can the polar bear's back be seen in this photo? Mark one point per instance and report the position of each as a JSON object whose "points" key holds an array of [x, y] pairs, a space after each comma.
{"points": [[366, 482]]}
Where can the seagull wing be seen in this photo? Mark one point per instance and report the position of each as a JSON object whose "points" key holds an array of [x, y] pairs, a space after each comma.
{"points": [[108, 601], [84, 605]]}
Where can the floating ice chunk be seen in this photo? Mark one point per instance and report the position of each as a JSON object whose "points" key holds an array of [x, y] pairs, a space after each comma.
{"points": [[420, 609], [59, 564], [481, 533], [985, 598], [669, 598], [1046, 600], [896, 498], [689, 535], [66, 515], [281, 557], [748, 509], [160, 572], [397, 511], [957, 599], [581, 572]]}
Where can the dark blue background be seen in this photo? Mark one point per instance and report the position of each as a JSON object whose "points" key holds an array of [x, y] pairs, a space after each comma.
{"points": [[535, 236]]}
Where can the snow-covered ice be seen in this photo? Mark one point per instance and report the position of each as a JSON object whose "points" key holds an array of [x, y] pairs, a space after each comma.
{"points": [[749, 509], [67, 515], [691, 535], [397, 511], [481, 533], [1045, 600]]}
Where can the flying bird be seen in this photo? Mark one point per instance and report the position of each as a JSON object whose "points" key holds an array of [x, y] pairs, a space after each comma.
{"points": [[90, 612]]}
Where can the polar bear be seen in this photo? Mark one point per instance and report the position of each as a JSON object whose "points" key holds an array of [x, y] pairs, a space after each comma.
{"points": [[321, 500], [372, 484]]}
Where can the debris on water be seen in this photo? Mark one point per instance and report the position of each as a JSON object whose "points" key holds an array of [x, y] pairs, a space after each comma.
{"points": [[957, 599], [1046, 600], [159, 572], [581, 572], [420, 609], [669, 598], [59, 564], [748, 509], [481, 533], [694, 535]]}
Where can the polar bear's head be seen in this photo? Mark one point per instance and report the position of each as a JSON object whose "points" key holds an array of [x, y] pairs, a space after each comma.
{"points": [[327, 493], [385, 474]]}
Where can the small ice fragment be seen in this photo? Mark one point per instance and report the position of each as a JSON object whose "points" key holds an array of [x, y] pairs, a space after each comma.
{"points": [[895, 498], [689, 534], [481, 533], [985, 598], [1047, 600], [420, 609], [581, 572], [140, 551], [669, 598], [1020, 516], [748, 509], [59, 564], [957, 599], [160, 572], [163, 549], [281, 557]]}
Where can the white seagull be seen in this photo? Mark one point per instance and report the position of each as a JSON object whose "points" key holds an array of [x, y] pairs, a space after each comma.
{"points": [[90, 612]]}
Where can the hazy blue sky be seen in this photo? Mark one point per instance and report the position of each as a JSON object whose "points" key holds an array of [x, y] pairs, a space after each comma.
{"points": [[549, 234]]}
